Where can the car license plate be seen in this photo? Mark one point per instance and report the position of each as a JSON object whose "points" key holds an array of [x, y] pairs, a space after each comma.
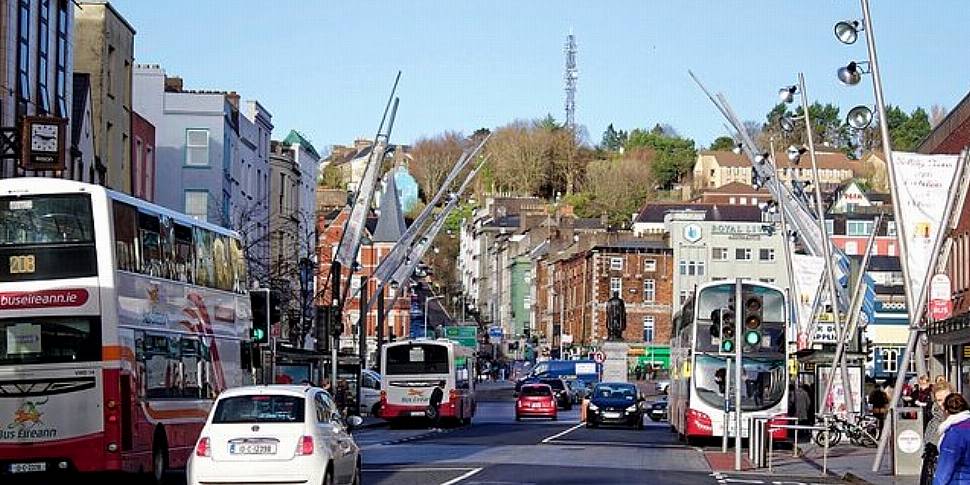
{"points": [[28, 467], [252, 449], [536, 405], [417, 413], [611, 415]]}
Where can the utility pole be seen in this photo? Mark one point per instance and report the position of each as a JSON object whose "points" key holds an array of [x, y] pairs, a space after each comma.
{"points": [[570, 77], [738, 371]]}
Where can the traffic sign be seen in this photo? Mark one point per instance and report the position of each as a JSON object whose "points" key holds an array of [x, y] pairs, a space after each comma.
{"points": [[599, 357], [941, 306]]}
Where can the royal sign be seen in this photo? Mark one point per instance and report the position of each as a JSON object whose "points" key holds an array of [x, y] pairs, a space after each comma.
{"points": [[23, 300]]}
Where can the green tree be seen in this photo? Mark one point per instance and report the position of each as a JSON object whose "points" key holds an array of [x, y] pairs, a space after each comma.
{"points": [[908, 134], [674, 158], [723, 143], [613, 140], [548, 123], [331, 177]]}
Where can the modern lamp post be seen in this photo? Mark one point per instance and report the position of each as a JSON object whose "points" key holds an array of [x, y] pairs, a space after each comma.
{"points": [[426, 302]]}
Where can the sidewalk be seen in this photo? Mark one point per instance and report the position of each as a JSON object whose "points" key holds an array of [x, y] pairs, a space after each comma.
{"points": [[851, 463]]}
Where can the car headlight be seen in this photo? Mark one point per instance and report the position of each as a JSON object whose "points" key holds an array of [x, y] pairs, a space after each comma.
{"points": [[593, 407], [632, 409]]}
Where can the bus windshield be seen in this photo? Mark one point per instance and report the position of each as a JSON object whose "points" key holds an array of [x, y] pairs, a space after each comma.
{"points": [[47, 219], [416, 359], [47, 340], [763, 381]]}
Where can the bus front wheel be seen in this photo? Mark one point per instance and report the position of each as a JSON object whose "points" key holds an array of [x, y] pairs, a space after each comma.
{"points": [[159, 457]]}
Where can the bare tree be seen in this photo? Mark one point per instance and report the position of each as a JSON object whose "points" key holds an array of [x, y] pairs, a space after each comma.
{"points": [[433, 159], [937, 113]]}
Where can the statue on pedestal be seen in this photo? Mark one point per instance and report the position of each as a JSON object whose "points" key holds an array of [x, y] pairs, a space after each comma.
{"points": [[615, 318]]}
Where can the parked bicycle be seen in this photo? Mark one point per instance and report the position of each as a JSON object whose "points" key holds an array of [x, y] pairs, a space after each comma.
{"points": [[861, 431]]}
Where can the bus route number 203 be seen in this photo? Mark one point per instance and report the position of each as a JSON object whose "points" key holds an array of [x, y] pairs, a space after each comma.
{"points": [[22, 264]]}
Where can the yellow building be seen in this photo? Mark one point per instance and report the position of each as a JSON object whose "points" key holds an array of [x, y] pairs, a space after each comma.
{"points": [[104, 47], [715, 169]]}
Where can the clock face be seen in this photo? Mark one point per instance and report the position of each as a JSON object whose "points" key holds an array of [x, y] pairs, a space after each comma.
{"points": [[43, 137]]}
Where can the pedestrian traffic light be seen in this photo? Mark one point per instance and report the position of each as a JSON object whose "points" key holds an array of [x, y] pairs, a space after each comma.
{"points": [[726, 323], [753, 306], [260, 301]]}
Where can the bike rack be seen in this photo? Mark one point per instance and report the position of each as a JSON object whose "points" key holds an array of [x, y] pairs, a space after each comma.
{"points": [[799, 427]]}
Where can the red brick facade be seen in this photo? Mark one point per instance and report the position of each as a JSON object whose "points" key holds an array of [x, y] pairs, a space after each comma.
{"points": [[142, 158]]}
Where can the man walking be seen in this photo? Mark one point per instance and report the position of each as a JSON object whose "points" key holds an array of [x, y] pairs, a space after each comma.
{"points": [[434, 406]]}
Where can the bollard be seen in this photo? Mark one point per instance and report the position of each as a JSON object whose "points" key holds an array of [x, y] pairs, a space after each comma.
{"points": [[907, 441]]}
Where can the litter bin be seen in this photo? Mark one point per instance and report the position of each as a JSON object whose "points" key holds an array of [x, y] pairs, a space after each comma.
{"points": [[907, 441]]}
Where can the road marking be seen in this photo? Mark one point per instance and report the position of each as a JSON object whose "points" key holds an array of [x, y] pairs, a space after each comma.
{"points": [[617, 443], [462, 477], [562, 433], [423, 470]]}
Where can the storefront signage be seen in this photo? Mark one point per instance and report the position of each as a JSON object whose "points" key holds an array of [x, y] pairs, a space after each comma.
{"points": [[941, 306]]}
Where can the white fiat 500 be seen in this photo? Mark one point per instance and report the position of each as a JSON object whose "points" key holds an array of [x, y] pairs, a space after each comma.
{"points": [[275, 434]]}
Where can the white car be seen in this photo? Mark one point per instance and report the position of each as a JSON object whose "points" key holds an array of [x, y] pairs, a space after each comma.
{"points": [[370, 393], [275, 434]]}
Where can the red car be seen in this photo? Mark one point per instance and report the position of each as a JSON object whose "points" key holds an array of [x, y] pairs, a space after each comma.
{"points": [[536, 401]]}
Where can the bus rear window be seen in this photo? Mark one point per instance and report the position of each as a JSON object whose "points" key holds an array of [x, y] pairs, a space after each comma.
{"points": [[259, 409], [48, 219], [417, 359], [47, 340]]}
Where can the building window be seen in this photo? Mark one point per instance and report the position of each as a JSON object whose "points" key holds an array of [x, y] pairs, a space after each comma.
{"points": [[43, 57], [197, 204], [683, 267], [109, 74], [23, 56], [197, 147], [719, 254], [692, 268], [744, 201], [766, 280], [851, 248], [829, 226], [742, 254], [684, 294], [648, 325], [890, 359], [754, 201], [732, 200], [891, 250], [616, 263], [766, 254], [650, 265], [891, 228], [858, 228], [649, 291], [616, 286], [60, 79]]}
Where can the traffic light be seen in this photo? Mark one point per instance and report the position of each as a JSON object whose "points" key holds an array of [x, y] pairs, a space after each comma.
{"points": [[260, 301], [321, 320], [870, 355], [275, 307], [336, 323], [753, 306], [725, 323]]}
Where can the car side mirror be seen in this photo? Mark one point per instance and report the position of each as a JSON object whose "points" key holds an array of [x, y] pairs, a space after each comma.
{"points": [[354, 422]]}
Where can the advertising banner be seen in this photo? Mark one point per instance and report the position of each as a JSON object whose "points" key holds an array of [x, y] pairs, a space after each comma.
{"points": [[808, 271]]}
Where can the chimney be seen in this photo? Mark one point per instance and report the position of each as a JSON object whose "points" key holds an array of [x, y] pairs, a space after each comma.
{"points": [[173, 84], [233, 98]]}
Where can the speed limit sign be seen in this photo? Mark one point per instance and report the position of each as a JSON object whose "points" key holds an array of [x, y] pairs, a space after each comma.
{"points": [[599, 357]]}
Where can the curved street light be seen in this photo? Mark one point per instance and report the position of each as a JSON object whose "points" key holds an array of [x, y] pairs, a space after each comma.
{"points": [[851, 73], [787, 94], [847, 31], [859, 118]]}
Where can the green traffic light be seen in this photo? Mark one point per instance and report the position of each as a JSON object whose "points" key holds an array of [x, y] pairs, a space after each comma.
{"points": [[258, 334], [727, 346], [752, 337]]}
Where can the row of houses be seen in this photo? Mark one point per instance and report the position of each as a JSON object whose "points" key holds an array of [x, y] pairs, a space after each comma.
{"points": [[133, 128]]}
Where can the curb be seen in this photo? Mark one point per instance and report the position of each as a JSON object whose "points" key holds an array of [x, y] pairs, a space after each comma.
{"points": [[855, 479]]}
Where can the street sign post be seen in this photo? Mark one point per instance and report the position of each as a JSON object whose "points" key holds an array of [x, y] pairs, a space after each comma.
{"points": [[599, 357]]}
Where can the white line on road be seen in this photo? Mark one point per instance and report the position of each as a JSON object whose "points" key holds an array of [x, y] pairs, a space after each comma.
{"points": [[462, 477], [425, 469], [665, 446], [562, 433]]}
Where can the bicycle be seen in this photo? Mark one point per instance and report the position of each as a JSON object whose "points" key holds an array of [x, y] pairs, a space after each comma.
{"points": [[862, 431]]}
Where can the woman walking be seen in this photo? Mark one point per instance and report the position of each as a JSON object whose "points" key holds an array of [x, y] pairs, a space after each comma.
{"points": [[953, 467], [931, 434]]}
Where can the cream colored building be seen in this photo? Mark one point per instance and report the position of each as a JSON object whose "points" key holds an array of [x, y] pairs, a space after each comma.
{"points": [[104, 47], [714, 169]]}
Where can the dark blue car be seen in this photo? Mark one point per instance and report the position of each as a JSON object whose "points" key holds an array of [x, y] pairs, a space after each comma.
{"points": [[615, 403]]}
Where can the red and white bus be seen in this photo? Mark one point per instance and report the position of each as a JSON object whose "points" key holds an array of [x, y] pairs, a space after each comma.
{"points": [[120, 321], [412, 369], [702, 360]]}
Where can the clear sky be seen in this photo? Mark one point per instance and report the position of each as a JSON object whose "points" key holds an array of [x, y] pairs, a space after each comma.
{"points": [[325, 67]]}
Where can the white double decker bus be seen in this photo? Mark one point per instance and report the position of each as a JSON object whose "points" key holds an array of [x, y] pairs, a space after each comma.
{"points": [[413, 368], [120, 321], [702, 360]]}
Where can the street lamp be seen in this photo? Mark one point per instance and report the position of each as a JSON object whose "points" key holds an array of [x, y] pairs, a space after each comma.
{"points": [[787, 94], [851, 73], [859, 118], [847, 31], [426, 301], [795, 153]]}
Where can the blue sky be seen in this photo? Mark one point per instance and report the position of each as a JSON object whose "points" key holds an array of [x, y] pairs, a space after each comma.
{"points": [[325, 67]]}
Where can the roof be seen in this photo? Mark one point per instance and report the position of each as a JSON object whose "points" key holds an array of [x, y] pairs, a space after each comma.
{"points": [[505, 221], [633, 244], [654, 212], [390, 221], [736, 188], [588, 223], [82, 89], [826, 160], [297, 138], [952, 134]]}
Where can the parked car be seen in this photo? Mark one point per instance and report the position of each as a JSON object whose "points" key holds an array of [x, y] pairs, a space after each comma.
{"points": [[283, 434], [615, 403], [563, 399], [662, 386], [658, 409], [370, 393], [536, 401], [579, 389]]}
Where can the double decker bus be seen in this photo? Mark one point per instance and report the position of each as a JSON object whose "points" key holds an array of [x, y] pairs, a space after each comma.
{"points": [[120, 321], [703, 360], [412, 369]]}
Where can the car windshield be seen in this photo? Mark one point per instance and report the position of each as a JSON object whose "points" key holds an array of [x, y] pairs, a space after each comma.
{"points": [[555, 384], [615, 391], [764, 381], [536, 391], [259, 409]]}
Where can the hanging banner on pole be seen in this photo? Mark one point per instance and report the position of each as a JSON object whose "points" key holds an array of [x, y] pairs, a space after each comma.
{"points": [[923, 182], [808, 271], [941, 306]]}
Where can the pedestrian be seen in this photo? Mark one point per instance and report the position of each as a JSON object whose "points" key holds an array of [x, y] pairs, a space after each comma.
{"points": [[879, 402], [803, 405], [953, 465], [434, 406], [340, 395], [931, 434], [923, 397]]}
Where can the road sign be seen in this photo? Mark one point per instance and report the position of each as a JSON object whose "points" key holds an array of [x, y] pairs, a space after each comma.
{"points": [[599, 357], [466, 336], [941, 306], [495, 334]]}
